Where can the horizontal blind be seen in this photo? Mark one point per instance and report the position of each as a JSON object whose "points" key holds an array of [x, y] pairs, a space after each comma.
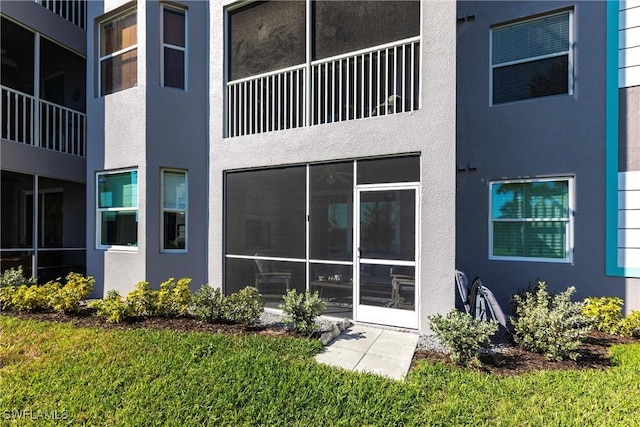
{"points": [[530, 39]]}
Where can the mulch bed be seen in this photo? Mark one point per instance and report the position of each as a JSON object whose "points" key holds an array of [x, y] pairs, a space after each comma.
{"points": [[513, 360], [85, 318]]}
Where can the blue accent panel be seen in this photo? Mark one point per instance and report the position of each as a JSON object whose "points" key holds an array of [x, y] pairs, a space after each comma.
{"points": [[612, 141], [612, 123]]}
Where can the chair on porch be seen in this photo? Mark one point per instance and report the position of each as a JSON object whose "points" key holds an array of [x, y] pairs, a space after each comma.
{"points": [[270, 281]]}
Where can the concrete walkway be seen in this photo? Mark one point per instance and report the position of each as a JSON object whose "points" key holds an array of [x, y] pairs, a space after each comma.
{"points": [[368, 349]]}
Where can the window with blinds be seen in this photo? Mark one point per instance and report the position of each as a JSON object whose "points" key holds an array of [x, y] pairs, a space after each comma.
{"points": [[532, 58], [531, 220], [119, 53]]}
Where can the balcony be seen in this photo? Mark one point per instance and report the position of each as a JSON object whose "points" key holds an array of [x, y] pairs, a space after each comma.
{"points": [[42, 92], [379, 81], [40, 123], [74, 11]]}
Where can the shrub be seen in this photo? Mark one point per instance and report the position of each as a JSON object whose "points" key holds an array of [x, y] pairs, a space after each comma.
{"points": [[463, 335], [242, 307], [630, 325], [142, 301], [302, 310], [67, 298], [113, 308], [13, 277], [551, 325], [174, 298], [207, 304], [28, 298], [605, 313]]}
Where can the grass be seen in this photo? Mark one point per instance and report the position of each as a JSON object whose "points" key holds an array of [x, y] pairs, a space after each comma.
{"points": [[143, 377]]}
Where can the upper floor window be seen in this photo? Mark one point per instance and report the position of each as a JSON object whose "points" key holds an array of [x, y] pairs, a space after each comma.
{"points": [[118, 53], [117, 209], [531, 220], [532, 58], [174, 47]]}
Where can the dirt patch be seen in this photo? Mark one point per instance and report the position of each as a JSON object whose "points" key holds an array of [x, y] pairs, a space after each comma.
{"points": [[513, 360]]}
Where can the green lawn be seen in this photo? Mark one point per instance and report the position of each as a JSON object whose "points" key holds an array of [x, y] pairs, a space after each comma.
{"points": [[141, 377]]}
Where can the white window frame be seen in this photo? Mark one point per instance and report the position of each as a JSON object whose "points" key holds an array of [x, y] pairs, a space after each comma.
{"points": [[569, 53], [99, 210], [569, 222], [174, 210], [164, 45], [101, 24]]}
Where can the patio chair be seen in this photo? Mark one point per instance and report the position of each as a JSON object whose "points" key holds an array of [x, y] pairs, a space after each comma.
{"points": [[478, 300], [270, 281]]}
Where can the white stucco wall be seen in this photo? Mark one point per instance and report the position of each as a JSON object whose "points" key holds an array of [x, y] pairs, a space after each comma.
{"points": [[429, 131], [116, 140]]}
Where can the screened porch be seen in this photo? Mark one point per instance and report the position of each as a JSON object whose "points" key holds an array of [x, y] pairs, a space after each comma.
{"points": [[319, 62]]}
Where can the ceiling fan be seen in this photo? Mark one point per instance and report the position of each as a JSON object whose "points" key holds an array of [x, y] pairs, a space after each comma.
{"points": [[333, 175]]}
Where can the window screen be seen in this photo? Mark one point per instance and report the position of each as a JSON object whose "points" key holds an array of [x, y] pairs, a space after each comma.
{"points": [[266, 36], [266, 212], [346, 26], [531, 59]]}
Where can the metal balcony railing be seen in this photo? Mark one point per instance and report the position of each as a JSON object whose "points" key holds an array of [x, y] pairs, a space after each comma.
{"points": [[40, 123], [268, 102], [371, 82], [74, 11]]}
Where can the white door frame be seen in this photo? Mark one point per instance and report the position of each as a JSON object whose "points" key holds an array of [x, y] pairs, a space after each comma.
{"points": [[384, 315]]}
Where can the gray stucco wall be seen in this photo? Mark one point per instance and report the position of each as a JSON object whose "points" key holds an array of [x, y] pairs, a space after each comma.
{"points": [[553, 136], [149, 127], [429, 131], [176, 137], [24, 158]]}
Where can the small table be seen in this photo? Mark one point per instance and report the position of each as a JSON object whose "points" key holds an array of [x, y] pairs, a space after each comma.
{"points": [[321, 285]]}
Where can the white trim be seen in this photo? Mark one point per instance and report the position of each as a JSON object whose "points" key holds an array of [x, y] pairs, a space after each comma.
{"points": [[266, 258], [390, 316], [569, 221], [184, 211], [329, 262]]}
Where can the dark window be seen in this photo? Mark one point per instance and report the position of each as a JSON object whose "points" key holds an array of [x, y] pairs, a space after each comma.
{"points": [[394, 169], [173, 47], [531, 59]]}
